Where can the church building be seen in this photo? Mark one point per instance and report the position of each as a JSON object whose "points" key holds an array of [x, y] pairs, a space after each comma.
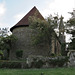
{"points": [[23, 33]]}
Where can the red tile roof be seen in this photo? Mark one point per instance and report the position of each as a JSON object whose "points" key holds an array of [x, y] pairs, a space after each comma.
{"points": [[24, 20]]}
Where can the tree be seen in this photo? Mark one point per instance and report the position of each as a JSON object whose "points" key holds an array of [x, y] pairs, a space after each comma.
{"points": [[6, 41], [4, 32], [71, 30], [43, 30]]}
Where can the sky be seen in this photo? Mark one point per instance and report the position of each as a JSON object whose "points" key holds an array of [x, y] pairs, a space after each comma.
{"points": [[11, 11]]}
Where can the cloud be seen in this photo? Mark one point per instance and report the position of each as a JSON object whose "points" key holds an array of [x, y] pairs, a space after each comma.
{"points": [[60, 6], [3, 25], [2, 9], [2, 14]]}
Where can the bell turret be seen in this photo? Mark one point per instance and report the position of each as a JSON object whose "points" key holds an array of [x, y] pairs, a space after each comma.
{"points": [[61, 31]]}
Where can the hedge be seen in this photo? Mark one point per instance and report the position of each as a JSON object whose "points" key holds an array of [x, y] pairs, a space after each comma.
{"points": [[12, 64]]}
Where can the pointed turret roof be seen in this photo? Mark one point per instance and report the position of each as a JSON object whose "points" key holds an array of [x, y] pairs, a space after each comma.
{"points": [[61, 25], [61, 31], [24, 20]]}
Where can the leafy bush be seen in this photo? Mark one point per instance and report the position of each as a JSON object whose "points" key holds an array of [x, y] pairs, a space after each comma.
{"points": [[35, 61], [1, 54], [19, 53], [15, 65], [39, 61], [58, 61], [37, 64], [62, 61], [52, 55], [12, 64], [52, 62]]}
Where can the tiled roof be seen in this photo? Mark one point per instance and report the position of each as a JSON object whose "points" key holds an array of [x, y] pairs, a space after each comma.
{"points": [[24, 20]]}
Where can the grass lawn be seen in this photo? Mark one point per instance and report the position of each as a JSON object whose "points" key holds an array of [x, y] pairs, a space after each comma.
{"points": [[52, 71]]}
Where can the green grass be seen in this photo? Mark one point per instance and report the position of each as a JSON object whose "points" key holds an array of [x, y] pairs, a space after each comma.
{"points": [[52, 71]]}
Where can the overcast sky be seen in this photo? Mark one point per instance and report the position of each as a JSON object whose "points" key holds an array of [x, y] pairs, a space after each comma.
{"points": [[11, 11]]}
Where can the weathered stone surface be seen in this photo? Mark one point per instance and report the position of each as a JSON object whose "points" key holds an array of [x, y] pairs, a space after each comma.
{"points": [[24, 43], [71, 55]]}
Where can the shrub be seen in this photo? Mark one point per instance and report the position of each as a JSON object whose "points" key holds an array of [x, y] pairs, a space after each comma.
{"points": [[52, 55], [15, 65], [58, 61], [1, 54], [39, 64], [19, 53], [53, 62], [12, 64], [35, 61]]}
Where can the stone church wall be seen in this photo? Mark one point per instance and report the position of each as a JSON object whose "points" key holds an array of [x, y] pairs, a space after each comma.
{"points": [[24, 43], [71, 55], [56, 46]]}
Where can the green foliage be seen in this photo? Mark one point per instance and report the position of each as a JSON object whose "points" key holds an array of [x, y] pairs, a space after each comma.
{"points": [[52, 55], [42, 30], [63, 52], [11, 64], [19, 54], [62, 61], [58, 61], [54, 61], [71, 22], [6, 43], [1, 54], [72, 44], [71, 30], [3, 32], [37, 63]]}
